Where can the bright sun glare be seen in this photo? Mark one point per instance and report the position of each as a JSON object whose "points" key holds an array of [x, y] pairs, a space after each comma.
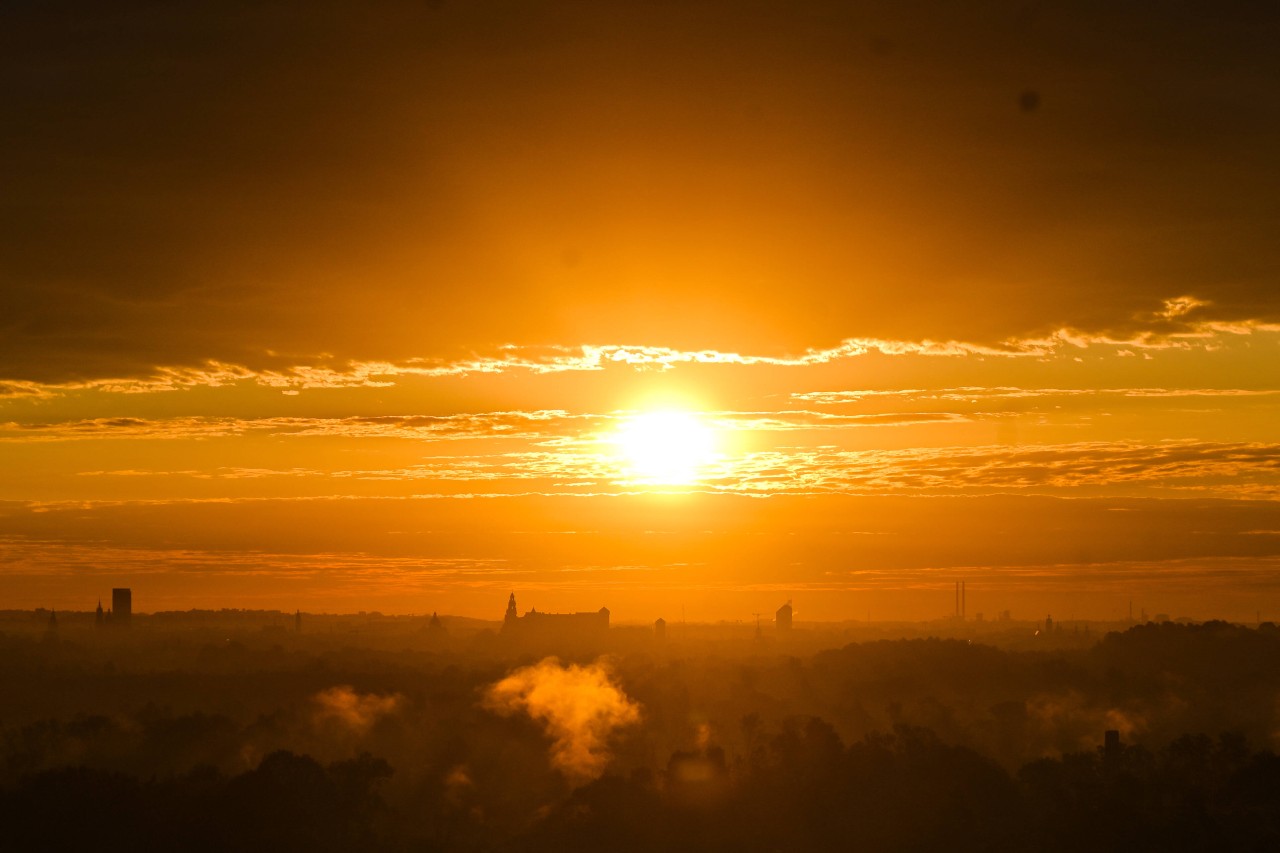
{"points": [[668, 447]]}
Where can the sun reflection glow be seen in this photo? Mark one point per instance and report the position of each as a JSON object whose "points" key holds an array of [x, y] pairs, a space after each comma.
{"points": [[666, 447]]}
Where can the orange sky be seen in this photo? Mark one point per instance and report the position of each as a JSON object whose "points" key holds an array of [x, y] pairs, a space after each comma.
{"points": [[343, 309]]}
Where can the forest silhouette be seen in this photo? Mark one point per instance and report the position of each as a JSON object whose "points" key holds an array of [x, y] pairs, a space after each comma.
{"points": [[167, 740]]}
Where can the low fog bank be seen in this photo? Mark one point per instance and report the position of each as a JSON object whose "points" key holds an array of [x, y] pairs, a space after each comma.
{"points": [[209, 737]]}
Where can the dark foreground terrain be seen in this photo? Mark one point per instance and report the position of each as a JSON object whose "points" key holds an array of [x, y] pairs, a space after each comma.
{"points": [[183, 739]]}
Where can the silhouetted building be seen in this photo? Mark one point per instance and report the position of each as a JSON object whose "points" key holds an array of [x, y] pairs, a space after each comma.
{"points": [[1048, 624], [1111, 748], [98, 617], [555, 626], [297, 622], [121, 606], [782, 619], [660, 628], [434, 634], [435, 626]]}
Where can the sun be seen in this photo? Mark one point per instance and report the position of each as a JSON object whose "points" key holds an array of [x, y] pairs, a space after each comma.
{"points": [[666, 447]]}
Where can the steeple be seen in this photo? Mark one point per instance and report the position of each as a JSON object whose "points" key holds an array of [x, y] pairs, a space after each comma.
{"points": [[510, 618], [98, 618]]}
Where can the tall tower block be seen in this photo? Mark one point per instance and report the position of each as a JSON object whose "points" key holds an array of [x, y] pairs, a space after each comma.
{"points": [[121, 606], [782, 619]]}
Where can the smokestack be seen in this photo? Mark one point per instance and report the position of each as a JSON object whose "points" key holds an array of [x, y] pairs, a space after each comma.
{"points": [[963, 605], [957, 599]]}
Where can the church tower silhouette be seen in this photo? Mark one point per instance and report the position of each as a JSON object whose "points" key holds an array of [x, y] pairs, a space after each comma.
{"points": [[510, 619]]}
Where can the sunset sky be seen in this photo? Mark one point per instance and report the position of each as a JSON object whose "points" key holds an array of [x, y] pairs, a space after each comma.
{"points": [[370, 306]]}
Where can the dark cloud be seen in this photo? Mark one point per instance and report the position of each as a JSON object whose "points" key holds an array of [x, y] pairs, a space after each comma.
{"points": [[265, 185]]}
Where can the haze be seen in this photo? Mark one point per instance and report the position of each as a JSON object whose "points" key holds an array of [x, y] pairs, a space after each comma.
{"points": [[345, 308]]}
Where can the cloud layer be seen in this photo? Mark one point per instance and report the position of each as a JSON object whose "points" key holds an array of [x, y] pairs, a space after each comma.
{"points": [[311, 197]]}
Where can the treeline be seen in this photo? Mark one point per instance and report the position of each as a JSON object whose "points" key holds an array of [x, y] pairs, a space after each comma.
{"points": [[802, 790], [288, 802], [908, 791], [888, 745]]}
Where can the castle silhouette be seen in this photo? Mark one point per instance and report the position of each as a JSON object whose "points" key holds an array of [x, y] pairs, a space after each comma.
{"points": [[554, 627]]}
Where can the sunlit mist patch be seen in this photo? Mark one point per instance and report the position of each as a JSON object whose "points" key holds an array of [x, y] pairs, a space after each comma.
{"points": [[354, 711], [579, 707]]}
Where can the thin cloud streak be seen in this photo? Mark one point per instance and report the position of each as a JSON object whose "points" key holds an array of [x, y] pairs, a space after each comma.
{"points": [[973, 394], [411, 577], [1174, 334], [1246, 470], [536, 426], [1222, 469]]}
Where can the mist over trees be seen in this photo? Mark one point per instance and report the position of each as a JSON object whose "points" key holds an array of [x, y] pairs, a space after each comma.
{"points": [[241, 739]]}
